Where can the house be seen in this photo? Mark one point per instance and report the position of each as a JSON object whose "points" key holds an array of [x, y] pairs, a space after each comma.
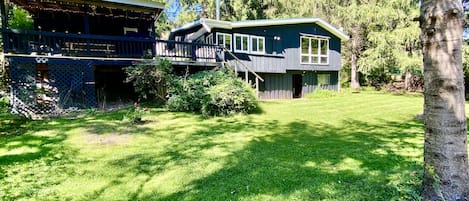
{"points": [[75, 55], [292, 56]]}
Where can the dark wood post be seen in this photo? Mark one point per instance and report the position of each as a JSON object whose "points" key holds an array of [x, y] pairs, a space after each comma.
{"points": [[193, 52], [4, 22], [153, 36], [86, 19]]}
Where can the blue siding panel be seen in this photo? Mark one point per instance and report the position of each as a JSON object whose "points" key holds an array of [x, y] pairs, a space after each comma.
{"points": [[279, 85], [284, 55]]}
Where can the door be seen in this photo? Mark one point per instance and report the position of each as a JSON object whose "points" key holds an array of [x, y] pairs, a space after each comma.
{"points": [[297, 81]]}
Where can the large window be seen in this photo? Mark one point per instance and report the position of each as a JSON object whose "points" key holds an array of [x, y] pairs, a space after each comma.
{"points": [[224, 40], [241, 43], [314, 50], [257, 44]]}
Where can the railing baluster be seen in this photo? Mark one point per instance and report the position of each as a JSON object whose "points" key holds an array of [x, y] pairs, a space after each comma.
{"points": [[70, 44]]}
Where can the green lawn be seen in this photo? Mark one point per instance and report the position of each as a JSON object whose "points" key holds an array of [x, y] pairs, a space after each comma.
{"points": [[350, 147]]}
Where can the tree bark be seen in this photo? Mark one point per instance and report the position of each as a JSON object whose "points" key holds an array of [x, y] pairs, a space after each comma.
{"points": [[355, 84], [445, 150], [407, 80]]}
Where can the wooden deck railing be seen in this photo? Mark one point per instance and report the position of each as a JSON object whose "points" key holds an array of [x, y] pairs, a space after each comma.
{"points": [[186, 51], [247, 70], [67, 44]]}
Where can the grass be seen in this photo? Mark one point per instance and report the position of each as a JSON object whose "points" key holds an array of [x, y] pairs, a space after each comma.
{"points": [[350, 147]]}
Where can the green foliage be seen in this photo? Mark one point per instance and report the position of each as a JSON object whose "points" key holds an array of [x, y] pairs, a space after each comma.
{"points": [[322, 93], [212, 93], [188, 94], [229, 97], [4, 104], [149, 78], [3, 79], [20, 19], [134, 114], [229, 10], [162, 27], [393, 43]]}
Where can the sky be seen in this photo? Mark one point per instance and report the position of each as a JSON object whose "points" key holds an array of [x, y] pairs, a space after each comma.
{"points": [[175, 8]]}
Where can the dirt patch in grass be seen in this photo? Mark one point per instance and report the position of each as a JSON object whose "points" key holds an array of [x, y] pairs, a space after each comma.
{"points": [[108, 139]]}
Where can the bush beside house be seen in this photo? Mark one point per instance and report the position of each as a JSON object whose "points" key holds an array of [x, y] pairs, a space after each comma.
{"points": [[212, 93]]}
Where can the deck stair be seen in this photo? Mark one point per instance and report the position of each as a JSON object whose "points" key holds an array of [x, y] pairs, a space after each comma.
{"points": [[237, 62]]}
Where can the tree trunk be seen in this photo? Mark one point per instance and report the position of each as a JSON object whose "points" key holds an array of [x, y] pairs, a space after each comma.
{"points": [[355, 84], [445, 151], [407, 80]]}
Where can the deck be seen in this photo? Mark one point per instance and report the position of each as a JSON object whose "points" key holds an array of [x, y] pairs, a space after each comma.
{"points": [[27, 42]]}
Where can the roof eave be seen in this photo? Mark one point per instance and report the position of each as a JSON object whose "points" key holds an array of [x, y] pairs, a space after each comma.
{"points": [[209, 24], [340, 34], [139, 3]]}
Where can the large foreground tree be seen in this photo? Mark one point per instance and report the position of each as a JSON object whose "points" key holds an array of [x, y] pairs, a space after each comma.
{"points": [[445, 153]]}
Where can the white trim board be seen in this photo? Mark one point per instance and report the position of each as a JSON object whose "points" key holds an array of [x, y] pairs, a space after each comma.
{"points": [[209, 24]]}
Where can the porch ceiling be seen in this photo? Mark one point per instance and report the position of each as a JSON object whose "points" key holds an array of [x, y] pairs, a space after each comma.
{"points": [[139, 9]]}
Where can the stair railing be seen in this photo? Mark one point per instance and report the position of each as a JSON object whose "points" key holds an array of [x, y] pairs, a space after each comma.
{"points": [[247, 70]]}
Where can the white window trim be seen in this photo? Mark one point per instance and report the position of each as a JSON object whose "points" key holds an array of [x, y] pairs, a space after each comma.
{"points": [[224, 35], [209, 39], [263, 45], [309, 55], [241, 50]]}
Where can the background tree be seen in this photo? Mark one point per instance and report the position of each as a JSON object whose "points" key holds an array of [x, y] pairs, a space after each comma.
{"points": [[392, 43], [445, 151], [20, 19]]}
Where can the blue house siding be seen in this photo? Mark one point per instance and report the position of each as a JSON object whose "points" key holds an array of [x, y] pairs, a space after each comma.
{"points": [[280, 85], [284, 54], [260, 64], [276, 86], [280, 65]]}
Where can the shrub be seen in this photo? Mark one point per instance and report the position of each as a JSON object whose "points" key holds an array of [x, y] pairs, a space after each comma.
{"points": [[134, 114], [188, 94], [150, 78], [4, 104], [212, 93], [230, 97]]}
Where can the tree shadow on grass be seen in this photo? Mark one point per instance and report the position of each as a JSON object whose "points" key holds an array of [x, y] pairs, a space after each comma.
{"points": [[37, 157], [26, 140], [301, 160], [307, 161]]}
